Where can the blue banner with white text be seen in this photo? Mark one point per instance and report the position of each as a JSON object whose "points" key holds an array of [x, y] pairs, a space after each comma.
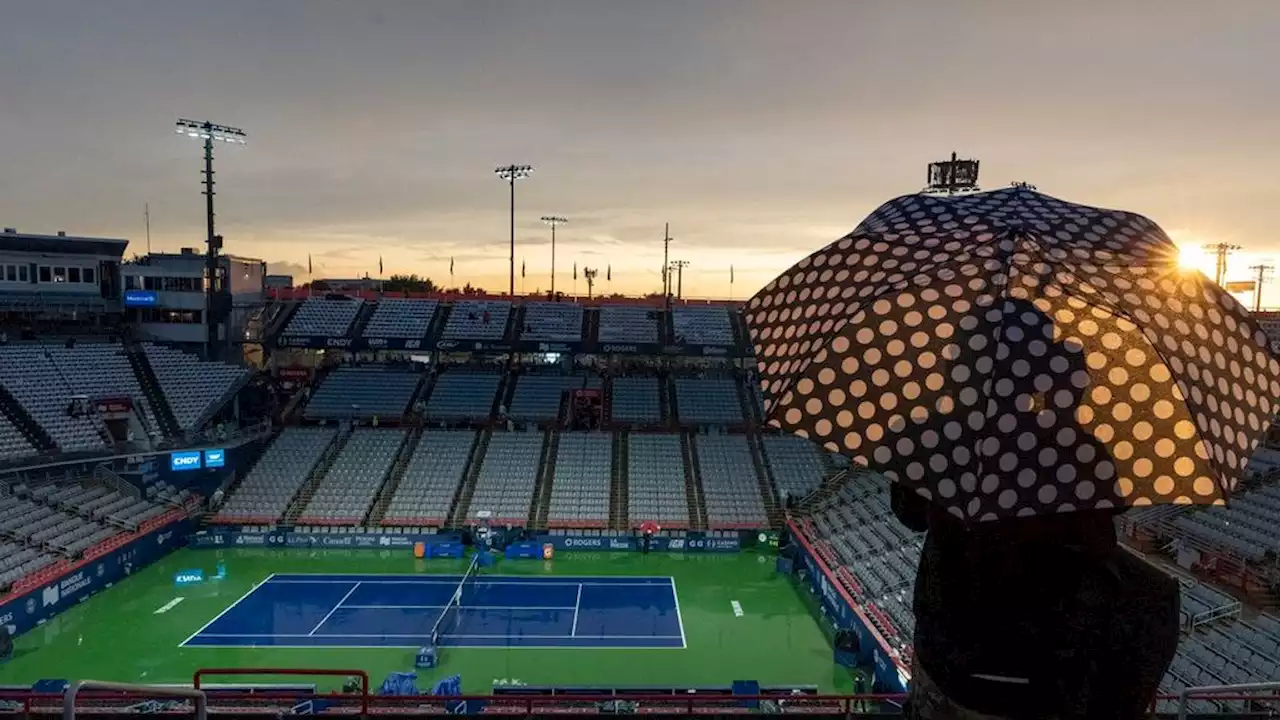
{"points": [[441, 545]]}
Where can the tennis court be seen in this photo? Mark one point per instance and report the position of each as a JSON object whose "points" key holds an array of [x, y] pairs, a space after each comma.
{"points": [[344, 610]]}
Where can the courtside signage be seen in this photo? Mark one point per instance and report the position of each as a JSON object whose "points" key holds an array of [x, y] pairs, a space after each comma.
{"points": [[185, 460]]}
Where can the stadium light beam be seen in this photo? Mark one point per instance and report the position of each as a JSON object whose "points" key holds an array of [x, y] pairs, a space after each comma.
{"points": [[553, 221], [209, 133], [512, 173]]}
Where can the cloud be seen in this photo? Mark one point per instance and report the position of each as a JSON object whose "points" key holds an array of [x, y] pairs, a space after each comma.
{"points": [[284, 267]]}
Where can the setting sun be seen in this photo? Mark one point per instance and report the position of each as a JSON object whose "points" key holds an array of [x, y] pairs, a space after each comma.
{"points": [[1193, 257]]}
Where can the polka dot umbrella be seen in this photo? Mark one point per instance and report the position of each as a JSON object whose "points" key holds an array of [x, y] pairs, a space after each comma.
{"points": [[1010, 354]]}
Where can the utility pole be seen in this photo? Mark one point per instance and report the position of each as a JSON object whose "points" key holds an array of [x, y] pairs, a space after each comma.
{"points": [[679, 265], [666, 264], [1221, 251], [146, 217], [553, 220], [1264, 272], [512, 173]]}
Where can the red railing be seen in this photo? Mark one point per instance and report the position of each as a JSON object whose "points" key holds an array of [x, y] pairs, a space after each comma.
{"points": [[364, 677]]}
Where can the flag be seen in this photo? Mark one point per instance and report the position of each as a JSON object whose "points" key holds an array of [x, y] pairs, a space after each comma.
{"points": [[379, 264], [521, 268], [308, 263], [730, 274], [450, 266], [608, 273], [575, 271]]}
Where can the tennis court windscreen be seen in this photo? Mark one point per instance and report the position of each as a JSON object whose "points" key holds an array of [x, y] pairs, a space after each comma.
{"points": [[447, 623]]}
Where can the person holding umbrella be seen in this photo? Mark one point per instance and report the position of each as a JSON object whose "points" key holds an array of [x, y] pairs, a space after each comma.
{"points": [[1023, 369]]}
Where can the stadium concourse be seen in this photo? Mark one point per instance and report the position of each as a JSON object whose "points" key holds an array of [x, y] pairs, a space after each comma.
{"points": [[366, 416]]}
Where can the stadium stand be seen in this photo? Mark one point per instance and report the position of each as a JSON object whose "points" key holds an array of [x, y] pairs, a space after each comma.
{"points": [[478, 320], [538, 395], [655, 481], [193, 387], [45, 378], [581, 486], [796, 464], [431, 480], [463, 394], [708, 401], [702, 325], [12, 442], [269, 487], [507, 477], [729, 483], [552, 321], [350, 486], [635, 400], [627, 324], [324, 317], [363, 392], [1250, 526], [401, 318]]}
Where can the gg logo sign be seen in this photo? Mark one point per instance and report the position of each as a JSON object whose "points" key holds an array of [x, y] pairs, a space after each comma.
{"points": [[185, 461]]}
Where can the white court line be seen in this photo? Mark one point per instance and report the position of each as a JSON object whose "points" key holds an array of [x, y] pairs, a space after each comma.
{"points": [[459, 637], [460, 607], [679, 618], [533, 579], [419, 645], [227, 609], [573, 632], [334, 610], [455, 581]]}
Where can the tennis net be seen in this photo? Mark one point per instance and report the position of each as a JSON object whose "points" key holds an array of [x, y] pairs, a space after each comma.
{"points": [[449, 617]]}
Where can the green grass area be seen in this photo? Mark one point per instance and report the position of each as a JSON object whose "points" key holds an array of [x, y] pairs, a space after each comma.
{"points": [[117, 634]]}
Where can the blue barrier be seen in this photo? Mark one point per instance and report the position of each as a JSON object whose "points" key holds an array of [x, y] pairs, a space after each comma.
{"points": [[624, 543], [40, 604], [891, 676], [446, 545]]}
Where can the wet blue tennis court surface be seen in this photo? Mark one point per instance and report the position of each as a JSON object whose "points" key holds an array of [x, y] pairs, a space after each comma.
{"points": [[491, 611]]}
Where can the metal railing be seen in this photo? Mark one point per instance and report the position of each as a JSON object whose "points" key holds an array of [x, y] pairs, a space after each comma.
{"points": [[1198, 693], [69, 699]]}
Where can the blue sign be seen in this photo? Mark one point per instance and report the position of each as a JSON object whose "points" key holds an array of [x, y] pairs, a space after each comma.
{"points": [[188, 577], [623, 543], [446, 545], [141, 298], [215, 458], [185, 460], [25, 612]]}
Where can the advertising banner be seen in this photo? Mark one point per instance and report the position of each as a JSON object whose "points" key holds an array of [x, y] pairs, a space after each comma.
{"points": [[693, 544], [25, 612], [891, 676], [438, 545]]}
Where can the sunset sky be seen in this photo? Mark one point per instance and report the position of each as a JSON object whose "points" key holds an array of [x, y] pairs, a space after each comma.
{"points": [[760, 129]]}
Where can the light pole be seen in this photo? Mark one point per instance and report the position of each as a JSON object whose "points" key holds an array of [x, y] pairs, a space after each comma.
{"points": [[553, 220], [591, 279], [679, 265], [209, 132], [512, 173]]}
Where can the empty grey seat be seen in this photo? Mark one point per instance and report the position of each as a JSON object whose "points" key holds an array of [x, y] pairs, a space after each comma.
{"points": [[430, 483], [729, 482], [656, 487], [363, 392], [582, 481], [508, 476]]}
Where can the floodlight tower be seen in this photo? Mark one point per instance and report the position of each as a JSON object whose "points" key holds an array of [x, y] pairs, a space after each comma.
{"points": [[553, 221], [209, 132], [512, 173]]}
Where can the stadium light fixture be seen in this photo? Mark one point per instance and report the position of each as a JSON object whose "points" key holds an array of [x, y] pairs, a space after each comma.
{"points": [[208, 133], [512, 173], [553, 221]]}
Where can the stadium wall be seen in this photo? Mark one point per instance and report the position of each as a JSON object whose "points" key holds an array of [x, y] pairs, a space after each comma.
{"points": [[25, 612], [891, 674]]}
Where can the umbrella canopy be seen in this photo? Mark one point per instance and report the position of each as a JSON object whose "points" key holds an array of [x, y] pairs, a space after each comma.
{"points": [[1011, 354]]}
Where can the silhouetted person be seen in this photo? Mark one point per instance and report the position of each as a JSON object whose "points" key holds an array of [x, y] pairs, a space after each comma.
{"points": [[1039, 617]]}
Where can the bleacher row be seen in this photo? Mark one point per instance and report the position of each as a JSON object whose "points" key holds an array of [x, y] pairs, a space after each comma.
{"points": [[335, 316], [463, 393], [45, 379], [875, 559], [392, 477], [43, 524]]}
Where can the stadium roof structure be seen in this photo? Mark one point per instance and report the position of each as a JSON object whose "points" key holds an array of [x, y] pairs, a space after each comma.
{"points": [[15, 241]]}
